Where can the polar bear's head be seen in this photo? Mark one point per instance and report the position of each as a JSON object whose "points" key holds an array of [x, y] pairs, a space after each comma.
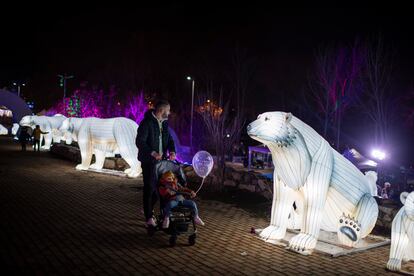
{"points": [[27, 121], [273, 128]]}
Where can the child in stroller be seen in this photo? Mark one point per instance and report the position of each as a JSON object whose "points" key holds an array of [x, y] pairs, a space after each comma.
{"points": [[180, 217], [172, 195]]}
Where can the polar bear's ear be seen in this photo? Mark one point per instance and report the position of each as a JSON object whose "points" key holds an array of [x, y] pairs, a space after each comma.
{"points": [[403, 197], [288, 117]]}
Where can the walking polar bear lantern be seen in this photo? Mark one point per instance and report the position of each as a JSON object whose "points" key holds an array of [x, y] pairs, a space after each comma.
{"points": [[402, 234], [103, 137], [328, 191], [47, 124]]}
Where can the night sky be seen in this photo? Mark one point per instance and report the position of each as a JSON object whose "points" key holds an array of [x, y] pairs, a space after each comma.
{"points": [[154, 48]]}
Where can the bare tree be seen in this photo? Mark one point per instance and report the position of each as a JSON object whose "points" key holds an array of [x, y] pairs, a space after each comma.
{"points": [[223, 128], [378, 101], [336, 86]]}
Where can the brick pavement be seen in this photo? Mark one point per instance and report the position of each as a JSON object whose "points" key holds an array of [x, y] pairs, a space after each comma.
{"points": [[56, 220]]}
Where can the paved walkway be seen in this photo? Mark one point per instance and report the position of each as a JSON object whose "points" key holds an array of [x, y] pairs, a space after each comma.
{"points": [[56, 220]]}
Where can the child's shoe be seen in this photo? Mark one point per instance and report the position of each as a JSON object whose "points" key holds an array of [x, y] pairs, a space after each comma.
{"points": [[151, 222], [198, 221]]}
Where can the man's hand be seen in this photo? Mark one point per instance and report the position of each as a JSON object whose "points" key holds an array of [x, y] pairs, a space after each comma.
{"points": [[171, 192], [192, 194], [156, 155], [172, 156]]}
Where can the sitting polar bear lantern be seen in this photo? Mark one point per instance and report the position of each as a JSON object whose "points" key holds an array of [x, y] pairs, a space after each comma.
{"points": [[47, 124], [103, 136], [402, 234], [329, 192]]}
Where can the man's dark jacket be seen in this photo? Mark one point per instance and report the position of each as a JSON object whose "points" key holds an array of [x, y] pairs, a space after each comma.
{"points": [[148, 138]]}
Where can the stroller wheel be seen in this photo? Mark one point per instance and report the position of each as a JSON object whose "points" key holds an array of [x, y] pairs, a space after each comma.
{"points": [[173, 240], [192, 239]]}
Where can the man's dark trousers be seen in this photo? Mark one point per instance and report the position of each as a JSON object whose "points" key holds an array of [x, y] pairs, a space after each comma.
{"points": [[150, 192]]}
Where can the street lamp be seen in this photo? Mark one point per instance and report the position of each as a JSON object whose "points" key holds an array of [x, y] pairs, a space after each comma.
{"points": [[62, 80], [192, 109], [18, 84]]}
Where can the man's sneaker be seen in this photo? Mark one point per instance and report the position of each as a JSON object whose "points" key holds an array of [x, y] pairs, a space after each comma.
{"points": [[198, 221], [166, 223], [151, 222]]}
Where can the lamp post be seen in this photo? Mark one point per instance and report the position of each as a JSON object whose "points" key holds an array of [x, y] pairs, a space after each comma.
{"points": [[18, 84], [62, 80], [192, 110]]}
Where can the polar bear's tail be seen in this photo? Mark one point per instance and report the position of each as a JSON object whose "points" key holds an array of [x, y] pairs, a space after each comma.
{"points": [[125, 132], [372, 178]]}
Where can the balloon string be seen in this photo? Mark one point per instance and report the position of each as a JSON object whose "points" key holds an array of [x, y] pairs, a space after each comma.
{"points": [[202, 182]]}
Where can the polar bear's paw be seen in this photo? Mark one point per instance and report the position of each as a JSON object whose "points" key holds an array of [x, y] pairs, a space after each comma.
{"points": [[127, 171], [95, 166], [349, 231], [80, 167], [394, 264], [303, 243], [132, 173], [273, 233]]}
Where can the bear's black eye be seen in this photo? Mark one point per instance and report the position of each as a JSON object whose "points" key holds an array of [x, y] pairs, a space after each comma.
{"points": [[267, 118]]}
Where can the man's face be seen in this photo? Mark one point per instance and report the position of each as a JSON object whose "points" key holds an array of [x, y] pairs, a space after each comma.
{"points": [[165, 112]]}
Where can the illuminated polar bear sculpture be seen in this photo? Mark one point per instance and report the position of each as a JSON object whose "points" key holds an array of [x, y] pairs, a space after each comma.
{"points": [[329, 192], [103, 136], [70, 129], [15, 128], [3, 130], [47, 124], [402, 234]]}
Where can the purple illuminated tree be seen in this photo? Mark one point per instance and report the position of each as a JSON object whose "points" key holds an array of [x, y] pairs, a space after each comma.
{"points": [[378, 102], [136, 107]]}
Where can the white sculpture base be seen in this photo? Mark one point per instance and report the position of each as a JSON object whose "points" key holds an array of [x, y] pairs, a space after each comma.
{"points": [[328, 243], [106, 171]]}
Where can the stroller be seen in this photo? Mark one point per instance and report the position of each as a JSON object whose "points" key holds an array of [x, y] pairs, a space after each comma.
{"points": [[181, 217]]}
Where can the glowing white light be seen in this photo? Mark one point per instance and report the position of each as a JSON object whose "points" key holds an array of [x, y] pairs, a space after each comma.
{"points": [[303, 158], [228, 135], [371, 163], [378, 154], [188, 78]]}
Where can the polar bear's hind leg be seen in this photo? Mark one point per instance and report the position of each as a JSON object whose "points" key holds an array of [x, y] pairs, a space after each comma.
{"points": [[352, 228], [100, 160]]}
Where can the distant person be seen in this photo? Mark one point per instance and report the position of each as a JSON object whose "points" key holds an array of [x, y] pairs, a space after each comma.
{"points": [[385, 192], [37, 132], [23, 138]]}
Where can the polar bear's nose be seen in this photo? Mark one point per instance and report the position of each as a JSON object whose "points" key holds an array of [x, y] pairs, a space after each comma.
{"points": [[249, 127]]}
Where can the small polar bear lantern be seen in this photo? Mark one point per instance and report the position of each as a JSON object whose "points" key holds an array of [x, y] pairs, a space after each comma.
{"points": [[3, 130], [47, 124], [15, 128], [103, 137], [329, 192], [402, 234]]}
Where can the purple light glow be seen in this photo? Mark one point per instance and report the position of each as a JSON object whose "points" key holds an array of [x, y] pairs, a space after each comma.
{"points": [[95, 103]]}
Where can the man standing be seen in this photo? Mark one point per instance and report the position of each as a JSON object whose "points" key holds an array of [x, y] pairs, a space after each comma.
{"points": [[153, 141], [36, 137]]}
